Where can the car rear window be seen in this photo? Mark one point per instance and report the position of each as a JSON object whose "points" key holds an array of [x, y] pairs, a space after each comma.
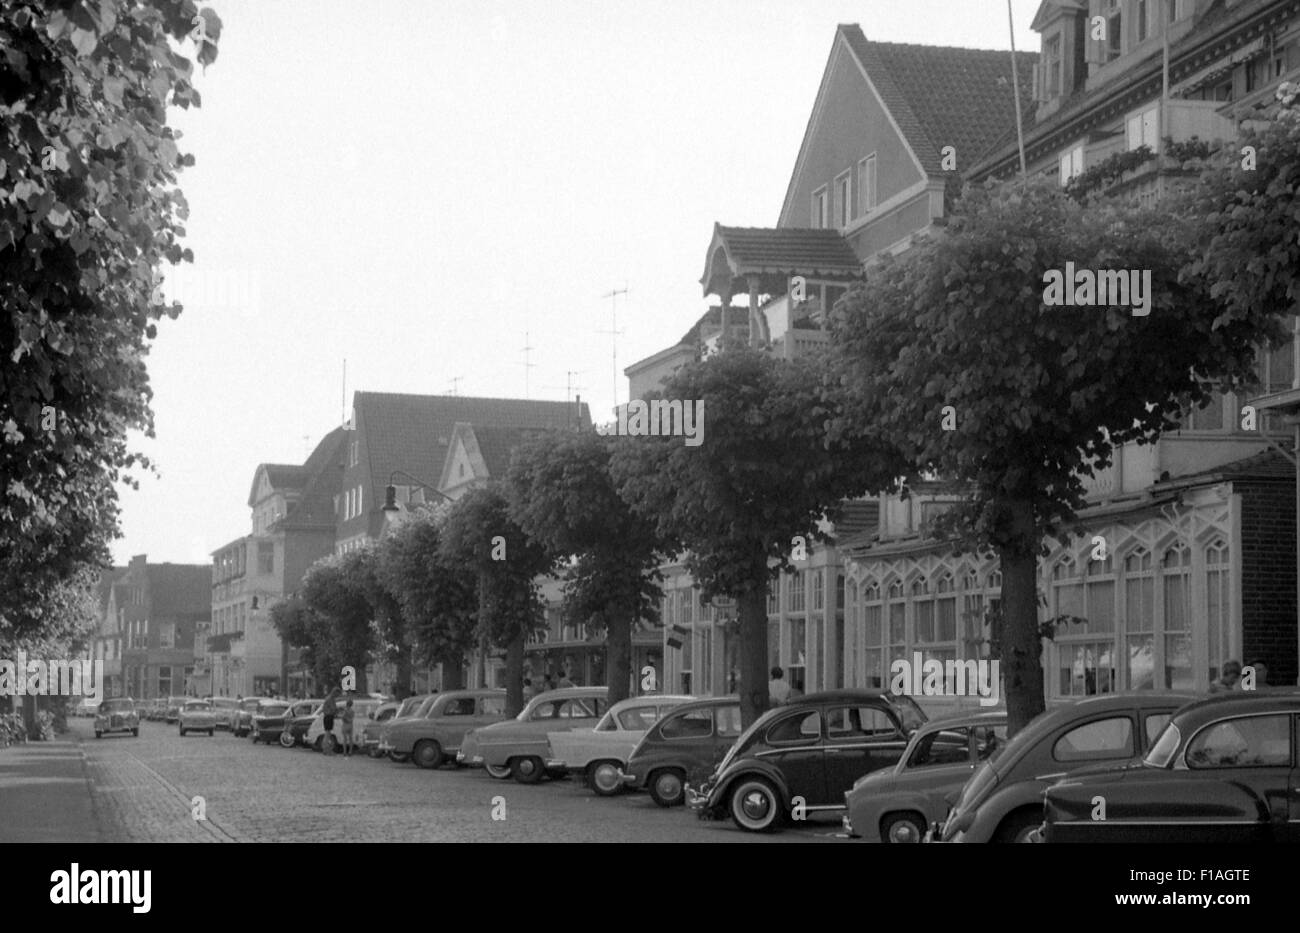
{"points": [[941, 747], [1097, 740], [692, 724]]}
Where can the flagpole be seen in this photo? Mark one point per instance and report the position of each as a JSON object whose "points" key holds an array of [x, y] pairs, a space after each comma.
{"points": [[1015, 90]]}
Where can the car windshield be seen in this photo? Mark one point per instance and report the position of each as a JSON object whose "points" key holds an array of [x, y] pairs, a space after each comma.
{"points": [[201, 705], [118, 706], [1162, 753], [275, 709]]}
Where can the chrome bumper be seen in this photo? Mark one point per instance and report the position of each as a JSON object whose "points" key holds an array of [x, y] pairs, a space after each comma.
{"points": [[698, 800]]}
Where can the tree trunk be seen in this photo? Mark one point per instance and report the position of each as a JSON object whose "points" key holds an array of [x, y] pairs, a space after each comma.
{"points": [[402, 687], [453, 674], [1021, 645], [752, 685], [515, 675], [618, 657]]}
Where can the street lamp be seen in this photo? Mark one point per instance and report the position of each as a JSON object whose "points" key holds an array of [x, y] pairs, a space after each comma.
{"points": [[390, 491]]}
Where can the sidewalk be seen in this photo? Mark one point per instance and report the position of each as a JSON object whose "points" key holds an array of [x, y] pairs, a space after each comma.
{"points": [[45, 793]]}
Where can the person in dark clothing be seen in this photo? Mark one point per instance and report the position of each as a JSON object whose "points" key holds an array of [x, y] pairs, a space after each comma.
{"points": [[328, 710]]}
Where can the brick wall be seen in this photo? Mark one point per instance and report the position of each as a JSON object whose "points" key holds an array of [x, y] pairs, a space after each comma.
{"points": [[1268, 577]]}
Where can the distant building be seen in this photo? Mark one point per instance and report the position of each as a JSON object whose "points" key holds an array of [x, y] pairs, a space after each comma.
{"points": [[151, 613]]}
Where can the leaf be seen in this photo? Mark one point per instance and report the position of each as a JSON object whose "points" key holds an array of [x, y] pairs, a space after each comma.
{"points": [[113, 89], [84, 41]]}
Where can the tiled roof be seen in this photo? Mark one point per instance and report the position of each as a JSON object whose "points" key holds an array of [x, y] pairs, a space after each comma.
{"points": [[412, 432], [285, 475], [944, 96], [1267, 465], [496, 446], [787, 249], [323, 472], [180, 589]]}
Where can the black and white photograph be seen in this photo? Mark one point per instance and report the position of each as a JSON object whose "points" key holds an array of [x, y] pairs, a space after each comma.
{"points": [[830, 423]]}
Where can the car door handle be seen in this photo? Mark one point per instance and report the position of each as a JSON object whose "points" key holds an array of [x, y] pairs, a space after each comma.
{"points": [[832, 751]]}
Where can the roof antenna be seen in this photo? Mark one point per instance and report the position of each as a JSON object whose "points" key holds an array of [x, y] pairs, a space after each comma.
{"points": [[614, 331]]}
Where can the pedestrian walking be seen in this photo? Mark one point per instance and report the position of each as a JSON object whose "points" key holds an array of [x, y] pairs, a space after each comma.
{"points": [[328, 710], [348, 714]]}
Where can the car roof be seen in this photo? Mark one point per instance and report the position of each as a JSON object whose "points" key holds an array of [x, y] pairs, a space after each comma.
{"points": [[834, 696], [1282, 699], [1104, 703], [706, 703], [964, 718], [477, 692], [653, 699]]}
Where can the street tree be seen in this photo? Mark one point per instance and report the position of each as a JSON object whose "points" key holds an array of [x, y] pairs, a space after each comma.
{"points": [[482, 540], [740, 503], [89, 213], [438, 601], [954, 356], [562, 493], [339, 592]]}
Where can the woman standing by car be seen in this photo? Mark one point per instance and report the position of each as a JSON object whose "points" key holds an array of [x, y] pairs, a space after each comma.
{"points": [[348, 714]]}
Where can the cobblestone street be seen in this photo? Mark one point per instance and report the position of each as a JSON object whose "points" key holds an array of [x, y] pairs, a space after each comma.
{"points": [[141, 791]]}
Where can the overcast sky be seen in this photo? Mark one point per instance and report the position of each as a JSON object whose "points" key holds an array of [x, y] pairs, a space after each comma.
{"points": [[426, 188]]}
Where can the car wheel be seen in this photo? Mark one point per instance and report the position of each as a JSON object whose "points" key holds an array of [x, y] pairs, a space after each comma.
{"points": [[755, 805], [287, 740], [427, 754], [1019, 826], [902, 827], [527, 770], [499, 772], [605, 778], [210, 733], [667, 788], [325, 743], [374, 751]]}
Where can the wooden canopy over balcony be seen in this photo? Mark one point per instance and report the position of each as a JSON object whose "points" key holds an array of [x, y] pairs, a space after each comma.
{"points": [[742, 258]]}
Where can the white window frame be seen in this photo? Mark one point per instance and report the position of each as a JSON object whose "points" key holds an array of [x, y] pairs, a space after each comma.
{"points": [[844, 199], [1148, 128], [868, 192], [1071, 164], [821, 208]]}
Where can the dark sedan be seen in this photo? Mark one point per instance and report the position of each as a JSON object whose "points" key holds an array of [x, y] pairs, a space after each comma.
{"points": [[685, 745], [1003, 800], [298, 721], [1223, 770], [268, 720], [802, 757]]}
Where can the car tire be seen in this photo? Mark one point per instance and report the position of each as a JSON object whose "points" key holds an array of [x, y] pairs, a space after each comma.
{"points": [[254, 736], [400, 758], [373, 751], [326, 744], [497, 771], [287, 740], [428, 754], [668, 788], [605, 778], [755, 805], [210, 733], [902, 828], [1018, 826], [527, 769]]}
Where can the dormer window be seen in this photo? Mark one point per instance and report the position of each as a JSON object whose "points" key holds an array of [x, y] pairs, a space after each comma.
{"points": [[1145, 14], [821, 215], [1052, 65], [867, 185]]}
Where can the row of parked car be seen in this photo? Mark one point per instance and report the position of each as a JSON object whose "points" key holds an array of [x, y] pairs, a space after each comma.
{"points": [[1162, 765]]}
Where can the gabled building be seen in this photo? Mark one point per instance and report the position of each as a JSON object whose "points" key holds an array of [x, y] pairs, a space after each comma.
{"points": [[106, 642], [1198, 566], [151, 616], [292, 526]]}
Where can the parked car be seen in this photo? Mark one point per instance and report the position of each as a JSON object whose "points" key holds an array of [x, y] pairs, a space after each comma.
{"points": [[601, 753], [1003, 800], [802, 756], [298, 721], [173, 709], [316, 736], [901, 803], [196, 716], [153, 710], [222, 708], [412, 706], [268, 720], [367, 734], [518, 746], [686, 745], [1223, 770], [433, 738], [117, 715], [241, 717]]}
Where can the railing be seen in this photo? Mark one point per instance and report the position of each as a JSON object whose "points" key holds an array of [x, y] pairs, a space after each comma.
{"points": [[797, 343]]}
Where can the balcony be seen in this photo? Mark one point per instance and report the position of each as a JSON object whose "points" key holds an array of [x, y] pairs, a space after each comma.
{"points": [[798, 343]]}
